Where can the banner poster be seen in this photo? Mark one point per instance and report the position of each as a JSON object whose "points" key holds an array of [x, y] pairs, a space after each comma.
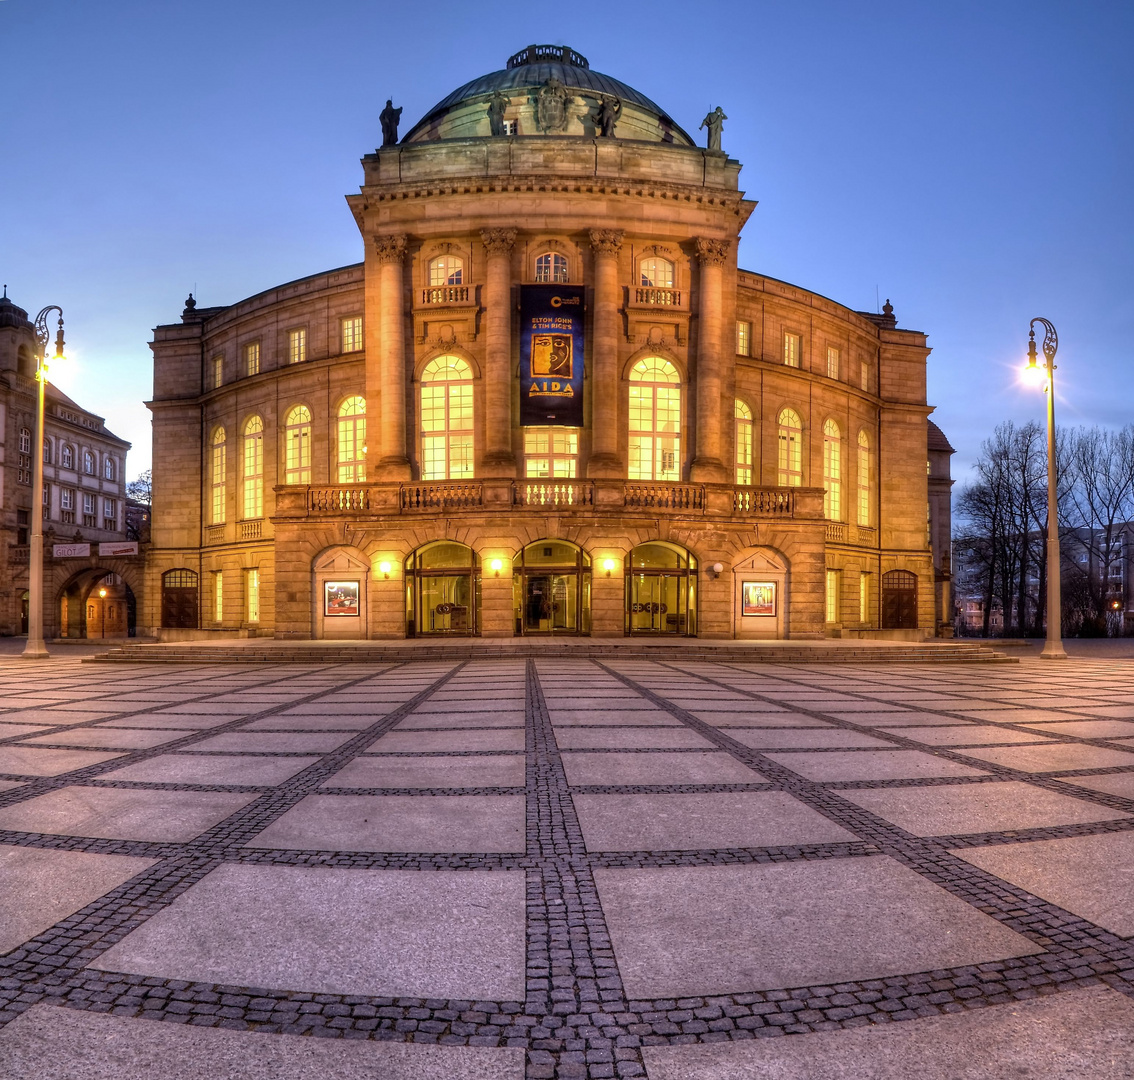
{"points": [[551, 355]]}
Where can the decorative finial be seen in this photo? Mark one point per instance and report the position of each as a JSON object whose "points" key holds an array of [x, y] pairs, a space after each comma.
{"points": [[190, 304], [888, 309]]}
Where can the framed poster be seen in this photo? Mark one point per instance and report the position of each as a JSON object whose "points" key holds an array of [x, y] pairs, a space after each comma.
{"points": [[551, 355], [340, 598], [758, 598]]}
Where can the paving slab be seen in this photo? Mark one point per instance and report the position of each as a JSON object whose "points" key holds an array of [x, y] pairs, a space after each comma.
{"points": [[806, 738], [601, 718], [686, 931], [331, 930], [402, 823], [453, 741], [895, 719], [977, 808], [41, 886], [221, 769], [419, 720], [122, 813], [1093, 729], [1113, 784], [663, 738], [431, 772], [1090, 876], [48, 1043], [707, 820], [108, 738], [11, 731], [871, 765], [964, 735], [694, 767], [1068, 1036], [279, 742], [761, 719], [1053, 757], [39, 761], [179, 722]]}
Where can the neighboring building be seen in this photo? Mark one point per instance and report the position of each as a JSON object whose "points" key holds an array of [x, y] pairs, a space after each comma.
{"points": [[938, 469], [84, 486], [408, 446]]}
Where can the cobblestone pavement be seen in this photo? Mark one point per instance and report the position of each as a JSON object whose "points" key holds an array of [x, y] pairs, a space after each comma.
{"points": [[567, 869]]}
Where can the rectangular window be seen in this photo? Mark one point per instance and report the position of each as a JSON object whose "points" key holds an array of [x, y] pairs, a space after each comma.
{"points": [[743, 339], [832, 363], [296, 346], [218, 596], [551, 453], [252, 593], [88, 503], [218, 371], [352, 334], [864, 375], [67, 499], [110, 513], [864, 597], [793, 349], [863, 485], [252, 358], [832, 596], [46, 500]]}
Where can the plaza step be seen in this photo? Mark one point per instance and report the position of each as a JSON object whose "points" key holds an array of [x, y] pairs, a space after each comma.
{"points": [[332, 652]]}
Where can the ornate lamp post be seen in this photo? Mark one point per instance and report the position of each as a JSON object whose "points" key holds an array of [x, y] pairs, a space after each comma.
{"points": [[1053, 649], [35, 648]]}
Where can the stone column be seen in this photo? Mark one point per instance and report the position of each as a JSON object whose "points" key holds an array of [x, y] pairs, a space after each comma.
{"points": [[394, 461], [499, 459], [707, 463], [604, 459]]}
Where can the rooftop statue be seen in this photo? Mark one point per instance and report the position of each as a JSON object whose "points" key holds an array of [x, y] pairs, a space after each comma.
{"points": [[496, 106], [389, 118], [608, 113], [714, 122]]}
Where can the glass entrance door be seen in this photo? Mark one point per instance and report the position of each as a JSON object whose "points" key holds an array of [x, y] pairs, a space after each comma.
{"points": [[551, 589], [658, 604], [551, 604], [442, 590]]}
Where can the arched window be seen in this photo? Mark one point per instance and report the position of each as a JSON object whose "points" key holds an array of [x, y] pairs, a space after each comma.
{"points": [[217, 463], [108, 469], [789, 435], [297, 446], [446, 270], [254, 468], [25, 440], [657, 272], [655, 420], [743, 417], [551, 267], [832, 471], [863, 478], [46, 452], [88, 463], [67, 457], [352, 440], [446, 420]]}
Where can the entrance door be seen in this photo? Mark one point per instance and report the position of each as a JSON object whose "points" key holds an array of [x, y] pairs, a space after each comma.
{"points": [[179, 599], [658, 604], [899, 600], [24, 603], [551, 589], [551, 604]]}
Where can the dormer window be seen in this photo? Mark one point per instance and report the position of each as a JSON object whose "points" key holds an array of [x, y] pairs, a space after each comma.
{"points": [[446, 270], [551, 267], [657, 273]]}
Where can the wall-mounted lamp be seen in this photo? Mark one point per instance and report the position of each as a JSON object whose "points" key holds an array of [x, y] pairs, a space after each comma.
{"points": [[102, 593], [496, 565], [716, 569], [384, 569], [608, 566]]}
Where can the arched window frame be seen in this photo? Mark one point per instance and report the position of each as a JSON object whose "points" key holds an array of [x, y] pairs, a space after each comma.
{"points": [[88, 463], [297, 445], [446, 270], [25, 440], [350, 440], [551, 267], [67, 456], [742, 418], [863, 478], [218, 462], [47, 451], [654, 436], [656, 271], [108, 470], [789, 449], [253, 467], [446, 419], [832, 470]]}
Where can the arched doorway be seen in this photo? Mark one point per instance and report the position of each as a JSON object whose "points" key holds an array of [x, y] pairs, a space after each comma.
{"points": [[179, 602], [760, 594], [661, 590], [551, 589], [96, 603], [442, 590], [899, 600]]}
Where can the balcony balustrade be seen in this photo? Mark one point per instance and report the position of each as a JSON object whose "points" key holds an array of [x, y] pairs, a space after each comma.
{"points": [[214, 534], [347, 498], [843, 532], [655, 297], [554, 493], [251, 530], [445, 294], [442, 495]]}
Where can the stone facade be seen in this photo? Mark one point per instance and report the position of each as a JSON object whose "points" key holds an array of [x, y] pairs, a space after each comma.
{"points": [[648, 224]]}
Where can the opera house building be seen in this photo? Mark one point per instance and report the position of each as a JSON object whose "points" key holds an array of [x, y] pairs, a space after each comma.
{"points": [[546, 402]]}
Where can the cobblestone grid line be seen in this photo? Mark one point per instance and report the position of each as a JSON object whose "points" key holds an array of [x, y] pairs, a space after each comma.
{"points": [[575, 1020]]}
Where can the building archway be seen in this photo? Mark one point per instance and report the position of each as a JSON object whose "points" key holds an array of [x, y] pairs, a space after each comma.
{"points": [[96, 603], [761, 579], [899, 600], [661, 590], [442, 590], [551, 589], [339, 594]]}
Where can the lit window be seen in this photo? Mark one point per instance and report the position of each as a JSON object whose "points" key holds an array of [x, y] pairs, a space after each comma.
{"points": [[743, 415], [657, 272], [296, 346], [108, 469], [252, 358], [864, 597], [67, 457], [789, 436], [217, 371], [352, 440], [217, 476], [447, 420], [832, 363], [352, 334], [297, 446], [551, 267], [218, 596], [551, 453], [743, 339], [864, 375], [25, 441], [793, 349], [446, 270], [832, 596], [863, 479], [254, 468], [88, 463], [655, 420], [832, 471], [252, 593]]}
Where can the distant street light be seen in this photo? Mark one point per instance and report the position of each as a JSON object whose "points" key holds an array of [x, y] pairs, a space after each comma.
{"points": [[35, 649], [1045, 376]]}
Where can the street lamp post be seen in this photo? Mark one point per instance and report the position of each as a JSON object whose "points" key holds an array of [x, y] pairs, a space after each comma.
{"points": [[102, 606], [1053, 648], [35, 649]]}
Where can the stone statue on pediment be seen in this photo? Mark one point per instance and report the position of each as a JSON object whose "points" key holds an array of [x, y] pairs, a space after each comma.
{"points": [[608, 113], [390, 118], [714, 122]]}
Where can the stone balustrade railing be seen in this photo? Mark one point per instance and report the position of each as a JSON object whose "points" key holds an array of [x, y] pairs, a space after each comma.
{"points": [[554, 493], [655, 297], [445, 294]]}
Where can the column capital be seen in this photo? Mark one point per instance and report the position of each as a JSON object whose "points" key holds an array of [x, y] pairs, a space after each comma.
{"points": [[498, 241], [390, 248], [606, 241], [712, 252]]}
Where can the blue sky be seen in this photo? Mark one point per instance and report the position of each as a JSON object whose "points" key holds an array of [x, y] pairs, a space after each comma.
{"points": [[973, 162]]}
